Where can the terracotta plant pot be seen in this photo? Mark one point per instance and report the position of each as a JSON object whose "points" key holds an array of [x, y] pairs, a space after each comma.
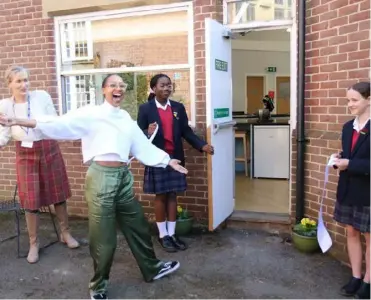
{"points": [[183, 226], [306, 244]]}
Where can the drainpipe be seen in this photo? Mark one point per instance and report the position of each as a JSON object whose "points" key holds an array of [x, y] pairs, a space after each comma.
{"points": [[300, 135]]}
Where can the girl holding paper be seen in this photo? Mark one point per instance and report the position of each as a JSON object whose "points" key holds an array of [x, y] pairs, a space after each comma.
{"points": [[353, 192], [172, 121]]}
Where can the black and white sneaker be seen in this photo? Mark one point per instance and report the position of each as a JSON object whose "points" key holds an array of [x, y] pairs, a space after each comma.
{"points": [[167, 268], [98, 296]]}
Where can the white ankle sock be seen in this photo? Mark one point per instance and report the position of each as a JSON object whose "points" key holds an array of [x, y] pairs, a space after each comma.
{"points": [[171, 228], [162, 229]]}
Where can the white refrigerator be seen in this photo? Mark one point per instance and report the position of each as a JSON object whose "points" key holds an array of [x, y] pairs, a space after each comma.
{"points": [[271, 151]]}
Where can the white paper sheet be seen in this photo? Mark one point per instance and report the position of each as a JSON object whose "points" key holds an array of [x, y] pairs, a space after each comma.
{"points": [[323, 237]]}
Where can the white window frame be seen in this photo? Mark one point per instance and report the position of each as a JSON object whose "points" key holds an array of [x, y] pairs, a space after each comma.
{"points": [[253, 24], [73, 90], [72, 41], [121, 13]]}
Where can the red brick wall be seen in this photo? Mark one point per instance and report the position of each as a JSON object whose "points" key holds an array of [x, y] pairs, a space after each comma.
{"points": [[163, 50], [338, 55], [202, 9], [27, 39]]}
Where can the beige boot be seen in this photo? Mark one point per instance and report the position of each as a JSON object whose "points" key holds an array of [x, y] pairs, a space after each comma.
{"points": [[32, 220], [66, 237]]}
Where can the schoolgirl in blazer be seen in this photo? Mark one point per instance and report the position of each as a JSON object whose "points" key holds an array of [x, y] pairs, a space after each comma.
{"points": [[172, 121], [353, 192]]}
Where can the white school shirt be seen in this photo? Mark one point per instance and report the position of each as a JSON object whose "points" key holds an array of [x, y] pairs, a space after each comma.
{"points": [[164, 107], [40, 104], [357, 126], [106, 132]]}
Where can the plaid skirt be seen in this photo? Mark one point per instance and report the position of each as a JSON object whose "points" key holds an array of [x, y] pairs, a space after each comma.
{"points": [[358, 217], [41, 175], [162, 181]]}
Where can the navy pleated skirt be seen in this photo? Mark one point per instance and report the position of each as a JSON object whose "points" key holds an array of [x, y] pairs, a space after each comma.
{"points": [[162, 181], [358, 217]]}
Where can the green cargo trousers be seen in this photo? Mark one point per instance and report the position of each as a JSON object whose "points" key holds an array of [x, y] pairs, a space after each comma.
{"points": [[110, 197]]}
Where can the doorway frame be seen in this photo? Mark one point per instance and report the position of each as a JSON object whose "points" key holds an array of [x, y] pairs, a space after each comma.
{"points": [[291, 27], [248, 74]]}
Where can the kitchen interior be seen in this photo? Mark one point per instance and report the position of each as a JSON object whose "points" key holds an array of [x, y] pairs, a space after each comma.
{"points": [[261, 109]]}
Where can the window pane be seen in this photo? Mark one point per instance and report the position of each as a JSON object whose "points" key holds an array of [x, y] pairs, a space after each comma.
{"points": [[150, 40], [85, 90], [283, 90], [279, 14], [246, 11], [181, 87]]}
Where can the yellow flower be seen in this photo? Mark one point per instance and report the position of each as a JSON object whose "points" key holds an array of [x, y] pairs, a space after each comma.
{"points": [[313, 223], [179, 209]]}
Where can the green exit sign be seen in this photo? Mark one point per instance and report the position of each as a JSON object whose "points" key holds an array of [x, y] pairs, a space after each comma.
{"points": [[221, 65], [271, 69], [221, 113]]}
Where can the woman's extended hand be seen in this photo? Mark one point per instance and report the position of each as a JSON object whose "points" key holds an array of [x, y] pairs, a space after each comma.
{"points": [[6, 121], [175, 164]]}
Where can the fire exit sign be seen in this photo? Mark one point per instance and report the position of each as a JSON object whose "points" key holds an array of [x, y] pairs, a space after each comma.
{"points": [[221, 113], [221, 65], [271, 69]]}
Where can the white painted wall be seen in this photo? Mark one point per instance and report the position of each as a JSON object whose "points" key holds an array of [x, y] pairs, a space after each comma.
{"points": [[252, 62]]}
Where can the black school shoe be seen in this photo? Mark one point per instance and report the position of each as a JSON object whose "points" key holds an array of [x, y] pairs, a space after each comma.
{"points": [[178, 243], [351, 288], [167, 268], [363, 292], [167, 244], [98, 296]]}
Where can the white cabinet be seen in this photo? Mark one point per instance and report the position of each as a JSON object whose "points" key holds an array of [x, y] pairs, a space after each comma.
{"points": [[271, 151]]}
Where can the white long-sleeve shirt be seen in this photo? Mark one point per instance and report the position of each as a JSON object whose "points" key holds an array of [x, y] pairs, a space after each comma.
{"points": [[105, 132], [40, 104]]}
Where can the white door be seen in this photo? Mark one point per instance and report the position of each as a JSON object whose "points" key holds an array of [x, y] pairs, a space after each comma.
{"points": [[221, 168]]}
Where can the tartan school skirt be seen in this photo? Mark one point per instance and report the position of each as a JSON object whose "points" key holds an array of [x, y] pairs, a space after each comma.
{"points": [[358, 217], [41, 175], [162, 181]]}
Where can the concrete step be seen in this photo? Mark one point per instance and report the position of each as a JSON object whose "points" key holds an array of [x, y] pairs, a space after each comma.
{"points": [[270, 222]]}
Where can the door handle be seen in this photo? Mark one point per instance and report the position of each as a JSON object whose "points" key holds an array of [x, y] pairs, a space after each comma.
{"points": [[218, 126]]}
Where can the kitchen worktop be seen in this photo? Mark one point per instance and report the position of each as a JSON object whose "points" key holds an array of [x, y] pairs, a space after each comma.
{"points": [[245, 123]]}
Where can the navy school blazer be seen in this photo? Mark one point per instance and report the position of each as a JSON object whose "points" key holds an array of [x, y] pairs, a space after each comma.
{"points": [[148, 113], [354, 183]]}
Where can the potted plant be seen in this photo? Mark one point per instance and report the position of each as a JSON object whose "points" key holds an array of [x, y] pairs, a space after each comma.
{"points": [[304, 236], [184, 221]]}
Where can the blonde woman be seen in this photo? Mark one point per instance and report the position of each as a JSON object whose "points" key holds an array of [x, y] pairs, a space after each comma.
{"points": [[41, 174]]}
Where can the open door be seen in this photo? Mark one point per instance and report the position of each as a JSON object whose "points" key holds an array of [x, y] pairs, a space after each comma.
{"points": [[220, 131]]}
